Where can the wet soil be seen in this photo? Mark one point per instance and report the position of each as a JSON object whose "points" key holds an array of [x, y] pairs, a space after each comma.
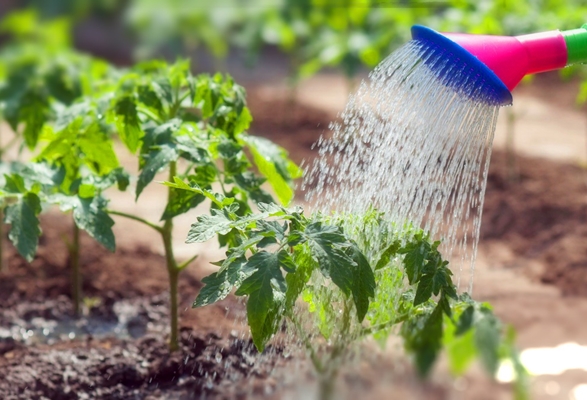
{"points": [[118, 349]]}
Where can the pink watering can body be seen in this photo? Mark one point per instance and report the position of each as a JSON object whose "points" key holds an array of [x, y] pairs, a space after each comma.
{"points": [[503, 61]]}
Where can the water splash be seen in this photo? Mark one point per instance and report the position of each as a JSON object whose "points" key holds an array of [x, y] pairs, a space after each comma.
{"points": [[414, 148]]}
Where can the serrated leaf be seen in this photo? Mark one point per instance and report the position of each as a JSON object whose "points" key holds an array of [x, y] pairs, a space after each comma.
{"points": [[266, 289], [180, 202], [415, 255], [431, 344], [363, 288], [90, 216], [424, 290], [128, 123], [42, 173], [24, 229], [218, 199], [487, 338], [387, 255], [97, 150], [273, 228], [34, 112], [219, 284], [460, 349], [272, 162], [14, 184], [117, 176], [208, 226], [286, 262], [324, 241], [296, 281], [465, 321], [157, 159]]}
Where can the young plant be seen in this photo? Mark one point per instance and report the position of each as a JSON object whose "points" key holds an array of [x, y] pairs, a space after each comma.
{"points": [[44, 86], [194, 126], [317, 277]]}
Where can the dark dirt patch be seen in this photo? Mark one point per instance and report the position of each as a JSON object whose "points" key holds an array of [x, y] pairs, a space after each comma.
{"points": [[542, 217], [204, 367], [119, 349]]}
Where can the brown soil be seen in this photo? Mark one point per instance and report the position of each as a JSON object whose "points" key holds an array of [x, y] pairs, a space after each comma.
{"points": [[542, 216]]}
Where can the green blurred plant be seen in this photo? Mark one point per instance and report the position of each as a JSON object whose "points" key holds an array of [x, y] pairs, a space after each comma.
{"points": [[317, 277]]}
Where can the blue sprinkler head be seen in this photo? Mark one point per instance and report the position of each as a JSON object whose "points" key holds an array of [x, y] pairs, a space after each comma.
{"points": [[458, 69]]}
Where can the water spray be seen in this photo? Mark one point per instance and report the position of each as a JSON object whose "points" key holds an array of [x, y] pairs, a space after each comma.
{"points": [[497, 64]]}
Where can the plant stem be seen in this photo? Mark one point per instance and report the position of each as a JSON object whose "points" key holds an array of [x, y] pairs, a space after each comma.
{"points": [[135, 218], [172, 268], [326, 387], [76, 281]]}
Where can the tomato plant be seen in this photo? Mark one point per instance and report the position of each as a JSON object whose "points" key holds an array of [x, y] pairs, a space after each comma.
{"points": [[335, 283], [194, 126]]}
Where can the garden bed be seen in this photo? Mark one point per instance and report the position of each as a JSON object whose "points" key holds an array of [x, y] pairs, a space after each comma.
{"points": [[542, 218]]}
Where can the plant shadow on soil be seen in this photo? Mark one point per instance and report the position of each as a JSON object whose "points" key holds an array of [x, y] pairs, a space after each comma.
{"points": [[543, 217]]}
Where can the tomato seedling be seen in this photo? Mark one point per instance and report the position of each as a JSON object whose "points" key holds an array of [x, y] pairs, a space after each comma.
{"points": [[194, 126], [317, 275]]}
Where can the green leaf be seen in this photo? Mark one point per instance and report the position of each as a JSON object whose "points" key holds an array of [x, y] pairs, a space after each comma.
{"points": [[415, 255], [24, 230], [90, 216], [424, 290], [363, 287], [218, 199], [219, 284], [14, 184], [487, 340], [325, 241], [390, 252], [157, 159], [97, 150], [266, 288], [180, 202], [431, 344], [465, 321], [296, 281], [128, 123], [208, 226], [460, 348], [34, 112], [272, 162]]}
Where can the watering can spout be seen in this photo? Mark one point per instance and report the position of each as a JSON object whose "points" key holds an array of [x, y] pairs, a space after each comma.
{"points": [[507, 59]]}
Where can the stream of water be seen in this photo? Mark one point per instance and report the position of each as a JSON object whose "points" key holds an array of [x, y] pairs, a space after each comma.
{"points": [[414, 148]]}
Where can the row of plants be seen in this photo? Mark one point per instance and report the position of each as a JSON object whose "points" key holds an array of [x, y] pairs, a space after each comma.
{"points": [[334, 281], [288, 265]]}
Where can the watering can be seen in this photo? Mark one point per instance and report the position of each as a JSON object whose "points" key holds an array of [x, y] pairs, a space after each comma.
{"points": [[499, 61]]}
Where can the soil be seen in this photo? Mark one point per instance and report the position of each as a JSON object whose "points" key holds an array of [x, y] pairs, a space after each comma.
{"points": [[119, 350], [542, 215]]}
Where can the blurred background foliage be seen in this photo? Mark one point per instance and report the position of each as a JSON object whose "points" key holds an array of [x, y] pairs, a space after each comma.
{"points": [[349, 35]]}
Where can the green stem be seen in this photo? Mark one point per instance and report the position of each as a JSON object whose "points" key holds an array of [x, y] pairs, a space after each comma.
{"points": [[172, 269], [326, 387], [184, 264], [135, 218], [76, 281], [307, 343], [384, 325]]}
